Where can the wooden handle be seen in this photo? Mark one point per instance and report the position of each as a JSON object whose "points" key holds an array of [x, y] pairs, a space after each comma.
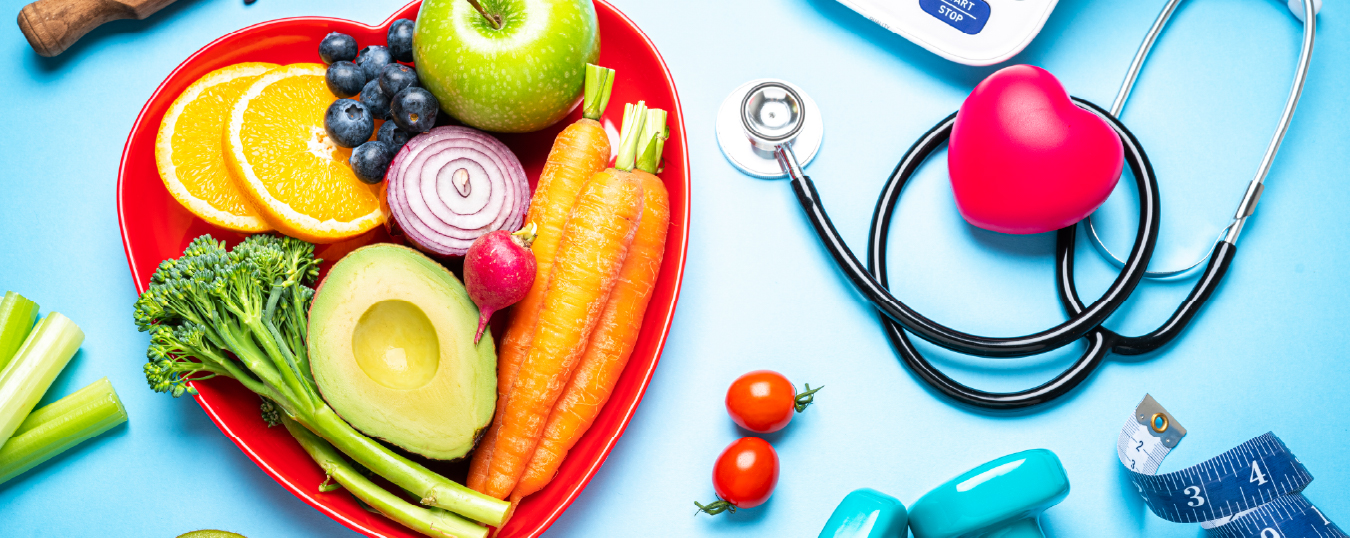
{"points": [[52, 26]]}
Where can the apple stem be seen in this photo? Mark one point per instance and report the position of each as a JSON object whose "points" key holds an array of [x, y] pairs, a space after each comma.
{"points": [[494, 20]]}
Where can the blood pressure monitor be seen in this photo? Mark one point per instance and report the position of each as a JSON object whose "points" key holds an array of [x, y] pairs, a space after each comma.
{"points": [[972, 32]]}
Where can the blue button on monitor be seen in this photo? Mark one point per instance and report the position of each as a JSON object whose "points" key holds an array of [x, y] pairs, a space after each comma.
{"points": [[968, 16]]}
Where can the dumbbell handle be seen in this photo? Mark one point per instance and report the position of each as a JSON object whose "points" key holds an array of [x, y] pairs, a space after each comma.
{"points": [[52, 26]]}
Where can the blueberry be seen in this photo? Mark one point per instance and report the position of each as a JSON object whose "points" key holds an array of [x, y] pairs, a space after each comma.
{"points": [[370, 161], [396, 77], [373, 59], [344, 78], [414, 109], [393, 137], [400, 40], [337, 47], [376, 101], [348, 123]]}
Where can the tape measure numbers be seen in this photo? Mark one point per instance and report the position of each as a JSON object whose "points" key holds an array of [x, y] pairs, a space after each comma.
{"points": [[1251, 490]]}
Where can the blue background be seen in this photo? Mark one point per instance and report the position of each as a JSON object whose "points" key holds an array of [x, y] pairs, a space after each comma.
{"points": [[759, 291]]}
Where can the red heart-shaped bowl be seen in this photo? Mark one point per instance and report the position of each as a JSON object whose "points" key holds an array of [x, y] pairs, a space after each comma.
{"points": [[155, 227]]}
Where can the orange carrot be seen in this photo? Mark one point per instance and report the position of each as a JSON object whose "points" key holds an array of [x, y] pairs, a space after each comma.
{"points": [[579, 152], [590, 255], [594, 246], [613, 340]]}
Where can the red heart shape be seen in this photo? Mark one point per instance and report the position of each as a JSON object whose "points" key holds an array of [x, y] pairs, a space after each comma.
{"points": [[1025, 159]]}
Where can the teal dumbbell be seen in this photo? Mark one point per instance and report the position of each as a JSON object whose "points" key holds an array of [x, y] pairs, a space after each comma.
{"points": [[867, 513], [1000, 499], [1003, 498]]}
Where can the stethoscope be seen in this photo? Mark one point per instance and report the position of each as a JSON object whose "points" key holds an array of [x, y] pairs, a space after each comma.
{"points": [[777, 120]]}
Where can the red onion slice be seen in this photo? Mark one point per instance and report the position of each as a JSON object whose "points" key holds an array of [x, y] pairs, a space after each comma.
{"points": [[450, 185]]}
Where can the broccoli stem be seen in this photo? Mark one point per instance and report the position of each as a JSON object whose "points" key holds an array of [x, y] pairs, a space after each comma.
{"points": [[434, 489], [55, 428], [219, 365], [252, 357], [302, 379], [286, 368], [428, 521]]}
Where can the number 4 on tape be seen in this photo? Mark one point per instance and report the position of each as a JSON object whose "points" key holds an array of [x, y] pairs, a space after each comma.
{"points": [[1251, 491]]}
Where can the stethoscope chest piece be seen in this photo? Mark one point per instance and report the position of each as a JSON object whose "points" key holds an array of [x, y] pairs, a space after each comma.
{"points": [[773, 116]]}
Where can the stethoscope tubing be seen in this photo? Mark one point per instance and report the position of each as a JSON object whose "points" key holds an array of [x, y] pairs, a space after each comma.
{"points": [[962, 342], [1221, 256], [1099, 340], [897, 318]]}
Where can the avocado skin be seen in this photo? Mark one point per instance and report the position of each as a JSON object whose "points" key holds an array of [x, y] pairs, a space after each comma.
{"points": [[208, 533]]}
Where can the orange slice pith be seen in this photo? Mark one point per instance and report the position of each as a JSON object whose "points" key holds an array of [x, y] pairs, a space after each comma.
{"points": [[285, 163], [188, 150]]}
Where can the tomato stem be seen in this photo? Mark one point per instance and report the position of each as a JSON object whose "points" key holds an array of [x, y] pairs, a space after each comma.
{"points": [[806, 398], [714, 508]]}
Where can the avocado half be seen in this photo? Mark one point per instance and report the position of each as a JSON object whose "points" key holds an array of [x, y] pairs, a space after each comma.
{"points": [[391, 348]]}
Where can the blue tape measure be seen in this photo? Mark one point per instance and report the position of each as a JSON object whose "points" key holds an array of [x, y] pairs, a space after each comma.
{"points": [[1252, 490]]}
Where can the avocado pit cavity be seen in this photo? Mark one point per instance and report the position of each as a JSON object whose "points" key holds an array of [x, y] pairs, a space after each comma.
{"points": [[396, 345]]}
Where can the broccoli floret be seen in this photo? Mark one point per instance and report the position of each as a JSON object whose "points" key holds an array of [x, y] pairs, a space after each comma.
{"points": [[243, 313], [270, 414], [212, 300]]}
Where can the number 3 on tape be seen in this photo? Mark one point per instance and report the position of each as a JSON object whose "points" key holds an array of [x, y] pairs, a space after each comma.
{"points": [[1251, 491]]}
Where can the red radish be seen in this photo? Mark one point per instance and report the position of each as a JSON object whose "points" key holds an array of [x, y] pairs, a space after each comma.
{"points": [[498, 271]]}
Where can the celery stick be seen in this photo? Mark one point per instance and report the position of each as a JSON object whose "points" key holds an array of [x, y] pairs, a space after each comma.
{"points": [[57, 427], [16, 320], [44, 353]]}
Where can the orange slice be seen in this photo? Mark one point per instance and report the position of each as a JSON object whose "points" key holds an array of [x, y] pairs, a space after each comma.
{"points": [[285, 163], [188, 149]]}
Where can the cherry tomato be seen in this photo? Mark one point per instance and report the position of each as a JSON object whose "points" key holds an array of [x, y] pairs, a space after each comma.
{"points": [[764, 401], [744, 475]]}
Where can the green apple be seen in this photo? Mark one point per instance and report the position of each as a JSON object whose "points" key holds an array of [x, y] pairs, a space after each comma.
{"points": [[506, 65]]}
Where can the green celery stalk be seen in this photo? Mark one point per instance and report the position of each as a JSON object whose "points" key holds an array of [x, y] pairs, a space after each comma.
{"points": [[44, 354], [59, 426], [428, 521], [17, 315]]}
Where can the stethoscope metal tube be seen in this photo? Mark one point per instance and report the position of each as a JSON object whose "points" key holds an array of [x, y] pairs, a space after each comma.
{"points": [[1252, 195]]}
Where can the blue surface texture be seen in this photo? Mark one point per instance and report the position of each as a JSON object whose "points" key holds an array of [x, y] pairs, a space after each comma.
{"points": [[760, 292]]}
